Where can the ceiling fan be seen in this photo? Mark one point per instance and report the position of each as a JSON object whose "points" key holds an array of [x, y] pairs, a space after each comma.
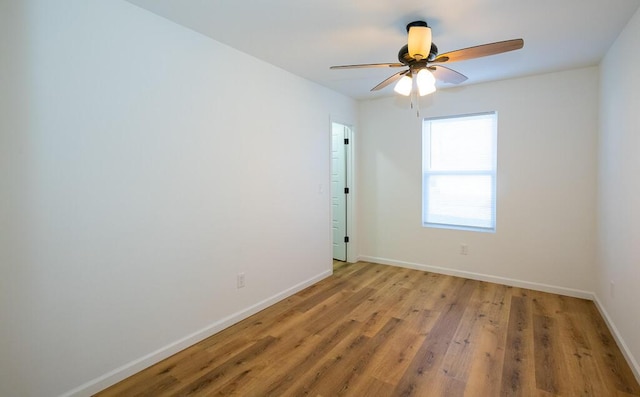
{"points": [[424, 64]]}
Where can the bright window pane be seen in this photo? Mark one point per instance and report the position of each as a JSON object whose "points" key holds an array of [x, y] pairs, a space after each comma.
{"points": [[461, 200], [461, 144], [459, 167]]}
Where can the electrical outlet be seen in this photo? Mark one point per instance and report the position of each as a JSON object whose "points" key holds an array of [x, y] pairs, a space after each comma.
{"points": [[240, 280], [464, 249]]}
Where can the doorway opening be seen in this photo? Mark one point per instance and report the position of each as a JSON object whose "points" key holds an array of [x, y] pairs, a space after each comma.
{"points": [[340, 189]]}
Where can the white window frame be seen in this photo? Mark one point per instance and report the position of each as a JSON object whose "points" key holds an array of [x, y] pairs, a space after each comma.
{"points": [[427, 173]]}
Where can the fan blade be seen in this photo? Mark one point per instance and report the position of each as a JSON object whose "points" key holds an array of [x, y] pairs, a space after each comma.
{"points": [[480, 51], [447, 75], [369, 65], [390, 80]]}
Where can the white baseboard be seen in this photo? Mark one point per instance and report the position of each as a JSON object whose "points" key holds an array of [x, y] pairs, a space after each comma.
{"points": [[138, 365], [616, 335], [576, 293]]}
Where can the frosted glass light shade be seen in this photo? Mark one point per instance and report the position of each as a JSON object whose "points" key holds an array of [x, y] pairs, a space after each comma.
{"points": [[419, 42], [426, 82], [404, 85]]}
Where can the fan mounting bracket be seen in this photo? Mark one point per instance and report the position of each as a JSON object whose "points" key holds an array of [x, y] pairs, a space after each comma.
{"points": [[416, 23]]}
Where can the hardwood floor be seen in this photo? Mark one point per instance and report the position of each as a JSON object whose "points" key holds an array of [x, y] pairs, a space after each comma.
{"points": [[375, 330]]}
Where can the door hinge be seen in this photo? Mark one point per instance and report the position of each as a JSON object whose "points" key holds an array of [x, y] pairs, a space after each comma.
{"points": [[346, 141], [346, 239], [346, 190]]}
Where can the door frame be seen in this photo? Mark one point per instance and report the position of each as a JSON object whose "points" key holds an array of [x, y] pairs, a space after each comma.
{"points": [[350, 177]]}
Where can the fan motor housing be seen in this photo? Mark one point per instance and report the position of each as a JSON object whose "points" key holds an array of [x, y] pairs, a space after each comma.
{"points": [[404, 58]]}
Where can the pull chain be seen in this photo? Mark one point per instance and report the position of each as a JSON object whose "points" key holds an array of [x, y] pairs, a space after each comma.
{"points": [[414, 93]]}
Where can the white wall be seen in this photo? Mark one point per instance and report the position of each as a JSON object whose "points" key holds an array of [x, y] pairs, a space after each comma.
{"points": [[619, 189], [142, 167], [547, 136]]}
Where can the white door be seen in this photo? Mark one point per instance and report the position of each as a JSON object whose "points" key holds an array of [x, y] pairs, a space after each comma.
{"points": [[339, 133]]}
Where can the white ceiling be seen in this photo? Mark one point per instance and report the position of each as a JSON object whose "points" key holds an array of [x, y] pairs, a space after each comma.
{"points": [[305, 37]]}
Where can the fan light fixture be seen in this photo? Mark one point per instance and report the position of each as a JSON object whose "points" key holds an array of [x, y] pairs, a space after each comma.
{"points": [[419, 40], [404, 85], [425, 82]]}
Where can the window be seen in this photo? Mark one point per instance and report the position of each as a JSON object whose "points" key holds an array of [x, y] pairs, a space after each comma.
{"points": [[459, 172]]}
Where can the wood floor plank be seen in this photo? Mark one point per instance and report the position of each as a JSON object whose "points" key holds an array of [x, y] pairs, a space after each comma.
{"points": [[445, 385], [485, 374], [240, 364], [339, 311], [301, 366], [371, 386], [345, 376], [426, 363], [328, 370], [459, 356], [517, 371], [394, 359], [548, 369], [374, 313], [375, 330]]}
